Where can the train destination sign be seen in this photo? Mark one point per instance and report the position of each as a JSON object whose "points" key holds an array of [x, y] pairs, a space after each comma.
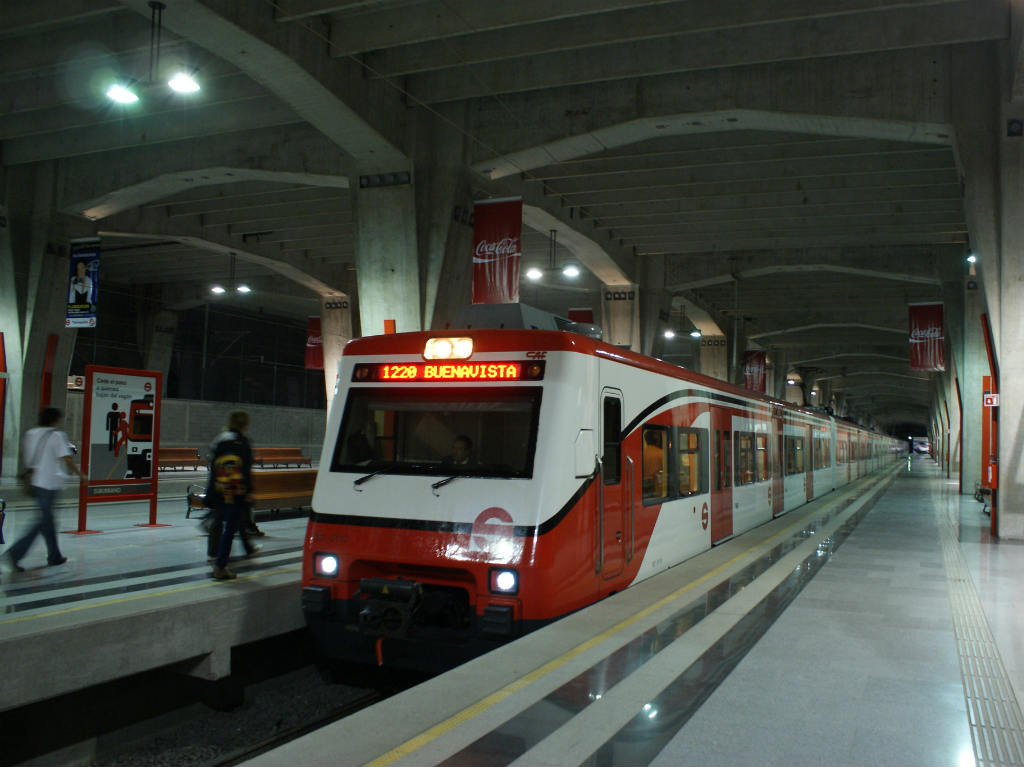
{"points": [[430, 372]]}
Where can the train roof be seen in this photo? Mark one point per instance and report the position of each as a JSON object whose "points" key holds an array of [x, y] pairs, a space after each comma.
{"points": [[491, 340]]}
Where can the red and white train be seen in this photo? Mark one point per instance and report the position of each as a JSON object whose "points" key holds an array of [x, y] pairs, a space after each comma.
{"points": [[478, 485]]}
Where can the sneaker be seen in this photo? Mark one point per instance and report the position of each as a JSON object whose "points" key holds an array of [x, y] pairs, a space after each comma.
{"points": [[56, 562], [257, 532], [211, 560], [223, 574], [256, 549]]}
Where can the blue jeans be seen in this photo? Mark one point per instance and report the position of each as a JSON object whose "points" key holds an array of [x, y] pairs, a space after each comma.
{"points": [[230, 513], [45, 525]]}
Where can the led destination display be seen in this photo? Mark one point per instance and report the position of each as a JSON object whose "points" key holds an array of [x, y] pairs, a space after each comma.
{"points": [[403, 372]]}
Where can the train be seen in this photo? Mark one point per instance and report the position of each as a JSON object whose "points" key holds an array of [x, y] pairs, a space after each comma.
{"points": [[479, 484]]}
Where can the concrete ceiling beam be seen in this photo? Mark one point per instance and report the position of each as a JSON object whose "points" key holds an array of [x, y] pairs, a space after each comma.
{"points": [[156, 102], [828, 360], [726, 222], [105, 184], [23, 17], [291, 61], [857, 201], [417, 22], [274, 217], [739, 244], [944, 178], [318, 231], [150, 130], [963, 22], [827, 326], [833, 168], [314, 198], [610, 28]]}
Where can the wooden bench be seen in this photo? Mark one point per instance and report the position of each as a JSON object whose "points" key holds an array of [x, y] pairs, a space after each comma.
{"points": [[175, 457], [280, 456], [271, 490]]}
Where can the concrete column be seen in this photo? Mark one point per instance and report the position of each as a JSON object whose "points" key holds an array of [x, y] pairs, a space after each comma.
{"points": [[335, 332], [387, 263], [655, 304], [714, 360], [1010, 334], [975, 366], [444, 214], [33, 295], [737, 344], [620, 318], [780, 369], [158, 341]]}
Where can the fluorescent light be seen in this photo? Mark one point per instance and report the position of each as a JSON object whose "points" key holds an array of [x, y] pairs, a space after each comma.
{"points": [[183, 83], [217, 289], [533, 273], [243, 289], [121, 94], [571, 271], [670, 333]]}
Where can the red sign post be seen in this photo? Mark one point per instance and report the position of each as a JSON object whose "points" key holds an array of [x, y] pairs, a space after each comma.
{"points": [[120, 439]]}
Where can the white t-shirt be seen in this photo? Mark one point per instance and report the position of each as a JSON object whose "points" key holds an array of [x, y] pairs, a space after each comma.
{"points": [[49, 468]]}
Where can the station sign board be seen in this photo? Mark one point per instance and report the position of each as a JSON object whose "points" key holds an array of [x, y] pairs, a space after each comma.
{"points": [[990, 399]]}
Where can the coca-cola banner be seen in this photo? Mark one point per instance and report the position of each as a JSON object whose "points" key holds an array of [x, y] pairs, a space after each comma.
{"points": [[927, 337], [314, 345], [497, 229], [754, 376]]}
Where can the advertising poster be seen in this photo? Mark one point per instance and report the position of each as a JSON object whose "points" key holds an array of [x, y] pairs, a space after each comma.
{"points": [[927, 337], [497, 251], [121, 429], [314, 344], [83, 285], [754, 373]]}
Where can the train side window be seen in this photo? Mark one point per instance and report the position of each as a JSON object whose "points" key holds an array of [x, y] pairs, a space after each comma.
{"points": [[692, 451], [612, 459], [762, 467], [655, 462], [794, 455], [744, 444]]}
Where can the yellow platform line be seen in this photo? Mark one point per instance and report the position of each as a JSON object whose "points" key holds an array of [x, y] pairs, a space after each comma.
{"points": [[146, 595], [463, 716]]}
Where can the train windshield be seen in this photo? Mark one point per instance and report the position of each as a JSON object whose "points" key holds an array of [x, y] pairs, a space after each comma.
{"points": [[484, 432]]}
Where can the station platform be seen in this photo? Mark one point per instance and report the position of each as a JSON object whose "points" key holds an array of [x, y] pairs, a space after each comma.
{"points": [[879, 625], [131, 599]]}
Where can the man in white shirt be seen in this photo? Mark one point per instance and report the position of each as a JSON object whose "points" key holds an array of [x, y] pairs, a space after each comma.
{"points": [[47, 453]]}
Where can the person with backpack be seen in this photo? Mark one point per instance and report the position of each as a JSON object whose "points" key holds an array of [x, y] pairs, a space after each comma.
{"points": [[48, 461], [229, 492]]}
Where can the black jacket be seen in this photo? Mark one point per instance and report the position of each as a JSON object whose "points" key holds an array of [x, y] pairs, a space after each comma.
{"points": [[230, 469]]}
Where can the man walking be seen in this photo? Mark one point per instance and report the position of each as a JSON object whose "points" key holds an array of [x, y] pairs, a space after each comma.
{"points": [[46, 451]]}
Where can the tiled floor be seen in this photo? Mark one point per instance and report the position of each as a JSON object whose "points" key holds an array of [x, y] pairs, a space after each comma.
{"points": [[863, 667]]}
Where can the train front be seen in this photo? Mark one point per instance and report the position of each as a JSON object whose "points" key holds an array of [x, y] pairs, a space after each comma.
{"points": [[425, 499]]}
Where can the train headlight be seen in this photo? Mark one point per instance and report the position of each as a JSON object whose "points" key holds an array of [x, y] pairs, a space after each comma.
{"points": [[448, 349], [504, 581], [325, 565]]}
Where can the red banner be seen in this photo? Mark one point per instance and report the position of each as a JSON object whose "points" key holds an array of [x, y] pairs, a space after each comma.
{"points": [[927, 337], [754, 377], [497, 231], [314, 345]]}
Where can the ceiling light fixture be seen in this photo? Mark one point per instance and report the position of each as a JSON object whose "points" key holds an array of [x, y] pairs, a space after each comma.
{"points": [[182, 82], [695, 333], [972, 259], [571, 271], [218, 290], [122, 94], [243, 289], [533, 273], [670, 334]]}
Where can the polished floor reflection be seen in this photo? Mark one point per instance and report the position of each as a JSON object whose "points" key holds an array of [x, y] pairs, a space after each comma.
{"points": [[863, 667]]}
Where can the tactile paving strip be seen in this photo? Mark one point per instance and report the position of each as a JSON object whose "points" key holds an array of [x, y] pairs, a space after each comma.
{"points": [[997, 726]]}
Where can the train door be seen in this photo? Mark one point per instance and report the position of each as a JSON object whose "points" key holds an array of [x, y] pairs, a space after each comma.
{"points": [[778, 476], [809, 463], [139, 453], [615, 497], [721, 474]]}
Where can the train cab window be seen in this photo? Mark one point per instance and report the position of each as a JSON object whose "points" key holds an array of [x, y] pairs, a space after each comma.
{"points": [[691, 448], [723, 460], [795, 454], [612, 426], [485, 432], [745, 461], [655, 462]]}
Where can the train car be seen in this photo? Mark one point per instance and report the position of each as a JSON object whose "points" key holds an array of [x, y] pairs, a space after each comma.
{"points": [[477, 485]]}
